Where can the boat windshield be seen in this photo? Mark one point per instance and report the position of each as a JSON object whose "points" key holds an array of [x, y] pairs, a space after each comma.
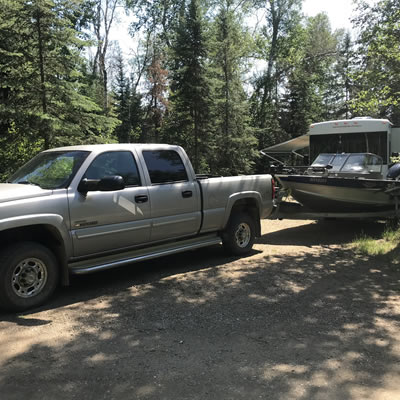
{"points": [[50, 170], [323, 160], [348, 162], [335, 161], [338, 161], [362, 162]]}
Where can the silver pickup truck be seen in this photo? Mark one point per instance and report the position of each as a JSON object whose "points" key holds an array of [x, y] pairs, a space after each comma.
{"points": [[80, 209]]}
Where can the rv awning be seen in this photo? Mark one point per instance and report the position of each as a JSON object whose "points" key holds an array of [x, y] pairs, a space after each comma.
{"points": [[289, 146]]}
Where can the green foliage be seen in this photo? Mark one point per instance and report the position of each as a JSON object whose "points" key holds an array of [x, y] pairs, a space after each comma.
{"points": [[340, 85], [41, 88], [127, 105], [189, 103], [156, 96], [282, 20], [16, 148], [193, 83], [378, 78], [230, 113], [160, 18], [309, 79]]}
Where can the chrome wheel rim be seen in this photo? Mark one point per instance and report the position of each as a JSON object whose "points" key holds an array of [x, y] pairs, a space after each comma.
{"points": [[29, 277], [243, 235]]}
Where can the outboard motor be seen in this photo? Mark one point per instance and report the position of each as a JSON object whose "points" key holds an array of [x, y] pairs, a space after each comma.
{"points": [[394, 172]]}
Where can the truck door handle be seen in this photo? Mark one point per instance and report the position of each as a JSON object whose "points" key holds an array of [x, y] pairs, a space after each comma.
{"points": [[141, 198], [187, 193]]}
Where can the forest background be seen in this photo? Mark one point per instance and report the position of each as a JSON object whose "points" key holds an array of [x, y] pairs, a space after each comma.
{"points": [[223, 78]]}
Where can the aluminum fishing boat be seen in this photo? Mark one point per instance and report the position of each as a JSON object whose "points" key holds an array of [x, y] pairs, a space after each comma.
{"points": [[346, 182]]}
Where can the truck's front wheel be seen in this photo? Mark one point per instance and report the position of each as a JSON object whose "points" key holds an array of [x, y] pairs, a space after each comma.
{"points": [[238, 237], [28, 275]]}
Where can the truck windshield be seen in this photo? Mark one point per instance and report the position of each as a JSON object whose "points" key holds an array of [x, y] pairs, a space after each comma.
{"points": [[50, 170]]}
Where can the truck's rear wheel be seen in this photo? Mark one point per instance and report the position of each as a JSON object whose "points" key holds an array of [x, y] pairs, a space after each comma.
{"points": [[238, 237], [28, 276]]}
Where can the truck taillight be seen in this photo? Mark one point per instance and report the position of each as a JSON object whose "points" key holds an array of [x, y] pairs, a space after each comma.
{"points": [[273, 188]]}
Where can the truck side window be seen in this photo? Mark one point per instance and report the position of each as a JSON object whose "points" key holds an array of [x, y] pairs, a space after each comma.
{"points": [[165, 166], [115, 163]]}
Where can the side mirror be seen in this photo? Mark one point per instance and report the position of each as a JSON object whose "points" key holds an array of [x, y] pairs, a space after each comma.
{"points": [[88, 185], [111, 183], [106, 184]]}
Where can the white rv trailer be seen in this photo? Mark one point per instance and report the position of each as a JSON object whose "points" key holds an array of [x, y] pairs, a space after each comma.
{"points": [[357, 135]]}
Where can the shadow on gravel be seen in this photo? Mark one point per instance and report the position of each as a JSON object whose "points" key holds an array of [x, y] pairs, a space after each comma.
{"points": [[89, 287], [324, 232], [309, 326]]}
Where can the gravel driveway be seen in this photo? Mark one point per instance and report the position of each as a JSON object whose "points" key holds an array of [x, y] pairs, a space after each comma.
{"points": [[303, 317]]}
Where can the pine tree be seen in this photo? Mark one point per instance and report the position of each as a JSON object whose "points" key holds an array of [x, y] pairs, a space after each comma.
{"points": [[41, 85], [156, 97], [231, 114], [127, 105], [188, 118]]}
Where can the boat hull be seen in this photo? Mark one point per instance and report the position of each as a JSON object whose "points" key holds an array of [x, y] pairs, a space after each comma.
{"points": [[332, 194]]}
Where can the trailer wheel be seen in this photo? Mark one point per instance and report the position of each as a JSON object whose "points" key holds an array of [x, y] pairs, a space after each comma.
{"points": [[28, 276], [238, 237]]}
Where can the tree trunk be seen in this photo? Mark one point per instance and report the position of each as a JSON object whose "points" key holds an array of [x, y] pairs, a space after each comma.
{"points": [[44, 131]]}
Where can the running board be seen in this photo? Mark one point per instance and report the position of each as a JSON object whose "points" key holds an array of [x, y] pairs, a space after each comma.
{"points": [[117, 260]]}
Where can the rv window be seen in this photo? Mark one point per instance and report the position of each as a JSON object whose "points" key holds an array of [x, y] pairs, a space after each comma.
{"points": [[371, 142]]}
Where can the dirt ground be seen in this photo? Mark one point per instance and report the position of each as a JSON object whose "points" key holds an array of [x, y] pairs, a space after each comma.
{"points": [[303, 317]]}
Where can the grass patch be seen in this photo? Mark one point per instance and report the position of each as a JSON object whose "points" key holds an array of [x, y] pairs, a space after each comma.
{"points": [[373, 247]]}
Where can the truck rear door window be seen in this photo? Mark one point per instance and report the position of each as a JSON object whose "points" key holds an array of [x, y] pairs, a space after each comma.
{"points": [[165, 166]]}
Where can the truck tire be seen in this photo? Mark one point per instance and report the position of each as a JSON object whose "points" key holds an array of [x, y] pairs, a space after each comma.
{"points": [[28, 276], [238, 237]]}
